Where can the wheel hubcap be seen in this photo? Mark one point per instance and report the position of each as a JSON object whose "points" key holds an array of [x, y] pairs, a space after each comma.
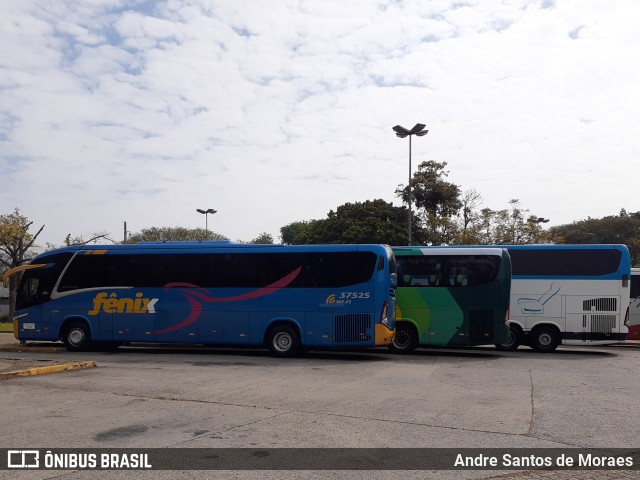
{"points": [[401, 340], [76, 336], [510, 341], [282, 342], [544, 339]]}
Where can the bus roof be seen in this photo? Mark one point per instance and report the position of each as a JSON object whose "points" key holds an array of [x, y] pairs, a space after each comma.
{"points": [[563, 246], [453, 250], [209, 247]]}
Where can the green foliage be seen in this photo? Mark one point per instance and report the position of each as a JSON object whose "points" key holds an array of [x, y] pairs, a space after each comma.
{"points": [[436, 201], [511, 226], [296, 233], [15, 242], [15, 239], [369, 222], [174, 234], [432, 193], [263, 239], [624, 229]]}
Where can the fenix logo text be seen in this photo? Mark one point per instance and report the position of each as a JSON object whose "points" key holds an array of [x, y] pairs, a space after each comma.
{"points": [[113, 304]]}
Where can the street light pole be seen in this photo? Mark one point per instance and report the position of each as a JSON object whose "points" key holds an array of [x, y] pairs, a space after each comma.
{"points": [[402, 132], [206, 220]]}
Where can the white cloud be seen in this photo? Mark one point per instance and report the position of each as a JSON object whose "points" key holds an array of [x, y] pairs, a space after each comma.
{"points": [[273, 113]]}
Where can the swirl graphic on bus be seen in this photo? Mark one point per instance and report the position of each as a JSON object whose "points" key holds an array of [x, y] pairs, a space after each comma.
{"points": [[196, 297]]}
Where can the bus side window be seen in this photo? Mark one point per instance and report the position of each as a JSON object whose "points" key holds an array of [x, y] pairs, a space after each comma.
{"points": [[420, 271], [635, 286]]}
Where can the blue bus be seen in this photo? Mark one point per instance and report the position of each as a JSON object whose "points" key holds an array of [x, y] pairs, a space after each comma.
{"points": [[285, 298], [568, 294]]}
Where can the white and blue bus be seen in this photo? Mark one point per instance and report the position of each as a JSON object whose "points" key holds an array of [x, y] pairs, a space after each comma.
{"points": [[285, 298], [568, 294]]}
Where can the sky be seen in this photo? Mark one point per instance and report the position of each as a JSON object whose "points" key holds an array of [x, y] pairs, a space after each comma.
{"points": [[273, 112]]}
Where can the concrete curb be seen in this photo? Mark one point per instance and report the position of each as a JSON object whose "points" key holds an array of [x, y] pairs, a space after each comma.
{"points": [[65, 367]]}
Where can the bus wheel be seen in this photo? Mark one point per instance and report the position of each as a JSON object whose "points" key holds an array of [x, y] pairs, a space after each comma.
{"points": [[77, 337], [544, 339], [284, 341], [405, 339], [514, 340]]}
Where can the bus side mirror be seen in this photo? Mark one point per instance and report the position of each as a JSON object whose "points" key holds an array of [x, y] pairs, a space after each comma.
{"points": [[394, 280]]}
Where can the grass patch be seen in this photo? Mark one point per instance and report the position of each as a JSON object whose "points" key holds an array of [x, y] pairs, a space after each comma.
{"points": [[6, 327]]}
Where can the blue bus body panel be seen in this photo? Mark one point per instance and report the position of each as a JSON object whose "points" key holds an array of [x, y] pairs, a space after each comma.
{"points": [[215, 316]]}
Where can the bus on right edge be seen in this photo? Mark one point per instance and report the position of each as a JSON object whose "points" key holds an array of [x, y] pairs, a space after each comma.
{"points": [[568, 294], [634, 307]]}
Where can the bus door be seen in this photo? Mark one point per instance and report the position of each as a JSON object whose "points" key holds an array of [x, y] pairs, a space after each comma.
{"points": [[34, 322]]}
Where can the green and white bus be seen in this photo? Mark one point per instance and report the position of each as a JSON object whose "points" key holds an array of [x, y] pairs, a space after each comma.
{"points": [[451, 296]]}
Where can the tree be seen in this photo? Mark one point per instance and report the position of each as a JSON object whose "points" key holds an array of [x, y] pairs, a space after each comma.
{"points": [[470, 200], [264, 238], [173, 234], [514, 227], [624, 228], [79, 240], [15, 242], [436, 200], [296, 233], [511, 226], [373, 221]]}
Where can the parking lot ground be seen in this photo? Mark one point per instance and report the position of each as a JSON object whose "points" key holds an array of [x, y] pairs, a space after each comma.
{"points": [[147, 397]]}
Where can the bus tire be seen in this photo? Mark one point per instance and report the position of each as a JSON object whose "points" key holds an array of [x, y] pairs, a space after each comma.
{"points": [[544, 338], [514, 341], [283, 341], [406, 338], [77, 336]]}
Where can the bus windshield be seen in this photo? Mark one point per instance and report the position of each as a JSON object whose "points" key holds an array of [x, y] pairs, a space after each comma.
{"points": [[38, 284]]}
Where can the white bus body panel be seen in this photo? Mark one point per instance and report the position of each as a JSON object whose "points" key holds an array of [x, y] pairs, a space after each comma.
{"points": [[576, 307]]}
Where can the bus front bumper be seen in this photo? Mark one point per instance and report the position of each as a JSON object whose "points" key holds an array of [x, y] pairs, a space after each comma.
{"points": [[384, 336]]}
